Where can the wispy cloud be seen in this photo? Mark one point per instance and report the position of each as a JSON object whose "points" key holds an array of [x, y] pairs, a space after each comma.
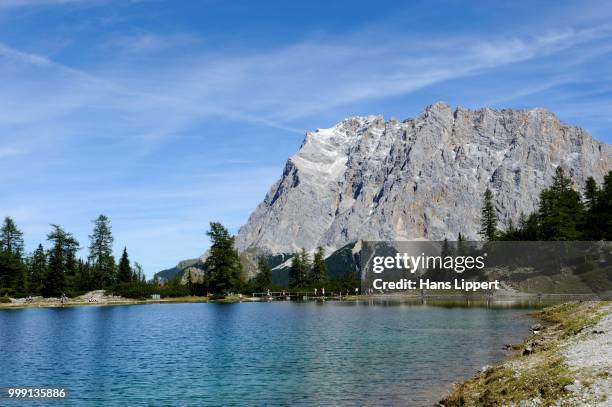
{"points": [[147, 42], [271, 88], [165, 128], [12, 4]]}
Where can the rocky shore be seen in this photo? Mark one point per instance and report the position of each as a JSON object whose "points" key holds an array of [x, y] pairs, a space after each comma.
{"points": [[97, 297], [565, 361]]}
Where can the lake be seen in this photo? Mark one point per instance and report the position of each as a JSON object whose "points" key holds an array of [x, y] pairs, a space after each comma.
{"points": [[348, 353]]}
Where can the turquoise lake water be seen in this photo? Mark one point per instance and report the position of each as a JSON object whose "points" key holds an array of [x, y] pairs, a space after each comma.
{"points": [[278, 353]]}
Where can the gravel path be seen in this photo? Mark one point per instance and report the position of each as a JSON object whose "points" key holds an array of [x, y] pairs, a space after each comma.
{"points": [[590, 354]]}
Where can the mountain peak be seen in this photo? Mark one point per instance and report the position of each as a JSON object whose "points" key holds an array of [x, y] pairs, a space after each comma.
{"points": [[439, 106], [422, 178]]}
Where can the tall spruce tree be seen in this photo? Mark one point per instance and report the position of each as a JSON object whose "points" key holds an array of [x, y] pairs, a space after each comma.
{"points": [[84, 280], [318, 274], [561, 211], [591, 229], [124, 273], [488, 219], [604, 211], [60, 259], [530, 231], [11, 238], [38, 270], [13, 273], [511, 231], [263, 280], [297, 275], [591, 193], [139, 273], [223, 268], [21, 282], [101, 252], [305, 260], [189, 281]]}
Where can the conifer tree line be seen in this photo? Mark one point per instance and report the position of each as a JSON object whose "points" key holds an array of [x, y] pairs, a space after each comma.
{"points": [[223, 271], [57, 270], [563, 214], [304, 273]]}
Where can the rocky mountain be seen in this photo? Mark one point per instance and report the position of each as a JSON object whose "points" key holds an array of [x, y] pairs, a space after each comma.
{"points": [[185, 266], [422, 178]]}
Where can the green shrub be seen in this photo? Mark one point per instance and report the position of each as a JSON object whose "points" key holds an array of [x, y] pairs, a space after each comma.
{"points": [[217, 297]]}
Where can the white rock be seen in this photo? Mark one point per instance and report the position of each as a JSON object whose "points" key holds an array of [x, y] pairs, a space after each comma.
{"points": [[422, 178]]}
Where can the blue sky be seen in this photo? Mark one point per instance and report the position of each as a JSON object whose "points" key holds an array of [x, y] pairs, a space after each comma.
{"points": [[165, 115]]}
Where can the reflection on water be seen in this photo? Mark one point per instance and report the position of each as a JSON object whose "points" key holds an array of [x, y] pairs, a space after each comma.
{"points": [[516, 303], [350, 353]]}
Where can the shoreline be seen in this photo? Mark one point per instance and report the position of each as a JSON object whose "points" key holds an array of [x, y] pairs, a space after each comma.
{"points": [[412, 298], [565, 361], [105, 303]]}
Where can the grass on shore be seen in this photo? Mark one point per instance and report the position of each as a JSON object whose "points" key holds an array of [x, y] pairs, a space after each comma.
{"points": [[540, 375], [571, 318]]}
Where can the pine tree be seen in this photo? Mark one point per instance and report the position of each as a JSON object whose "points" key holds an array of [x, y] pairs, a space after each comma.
{"points": [[72, 264], [522, 223], [13, 273], [101, 252], [511, 232], [488, 221], [20, 280], [60, 255], [139, 273], [592, 196], [11, 238], [604, 211], [318, 275], [522, 227], [223, 264], [532, 228], [84, 280], [263, 280], [296, 272], [38, 270], [591, 193], [561, 211], [124, 275], [305, 260], [189, 281]]}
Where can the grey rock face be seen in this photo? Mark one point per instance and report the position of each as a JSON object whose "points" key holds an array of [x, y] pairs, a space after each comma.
{"points": [[421, 178]]}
